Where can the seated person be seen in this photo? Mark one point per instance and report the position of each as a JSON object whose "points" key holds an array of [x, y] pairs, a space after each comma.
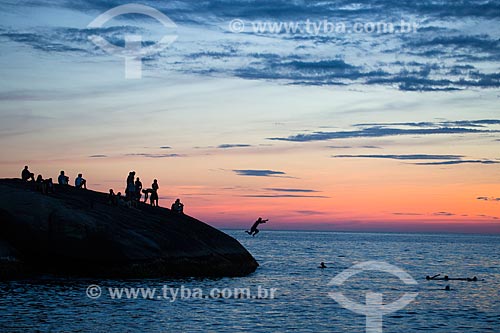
{"points": [[121, 202], [48, 186], [178, 207], [80, 182], [27, 175], [39, 184], [63, 179], [112, 198]]}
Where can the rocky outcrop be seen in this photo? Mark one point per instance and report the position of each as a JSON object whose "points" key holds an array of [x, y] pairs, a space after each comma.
{"points": [[76, 232]]}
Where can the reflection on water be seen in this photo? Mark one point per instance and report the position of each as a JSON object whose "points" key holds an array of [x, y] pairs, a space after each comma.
{"points": [[289, 263]]}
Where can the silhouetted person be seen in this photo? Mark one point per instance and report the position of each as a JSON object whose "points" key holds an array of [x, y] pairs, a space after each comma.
{"points": [[432, 277], [130, 189], [80, 182], [27, 175], [112, 198], [63, 179], [447, 288], [154, 194], [121, 202], [178, 207], [138, 189], [147, 192], [253, 230], [322, 265], [39, 184], [131, 177], [48, 185], [45, 186]]}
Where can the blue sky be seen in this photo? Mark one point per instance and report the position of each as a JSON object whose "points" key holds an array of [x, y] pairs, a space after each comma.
{"points": [[456, 45]]}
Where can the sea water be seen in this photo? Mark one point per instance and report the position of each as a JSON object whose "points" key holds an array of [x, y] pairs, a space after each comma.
{"points": [[289, 265]]}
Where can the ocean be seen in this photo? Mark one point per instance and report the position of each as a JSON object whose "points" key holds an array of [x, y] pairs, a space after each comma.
{"points": [[288, 292]]}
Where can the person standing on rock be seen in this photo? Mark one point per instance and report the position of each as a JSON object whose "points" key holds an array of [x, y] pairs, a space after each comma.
{"points": [[138, 189], [130, 189], [154, 194], [253, 230]]}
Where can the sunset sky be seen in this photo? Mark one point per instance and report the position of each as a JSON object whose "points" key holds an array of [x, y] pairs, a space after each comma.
{"points": [[349, 132]]}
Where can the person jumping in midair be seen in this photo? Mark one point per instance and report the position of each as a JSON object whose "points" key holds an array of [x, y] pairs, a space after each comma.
{"points": [[253, 230]]}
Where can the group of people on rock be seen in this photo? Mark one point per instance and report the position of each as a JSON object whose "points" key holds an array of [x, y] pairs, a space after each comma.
{"points": [[80, 182], [133, 190], [42, 185], [133, 194], [47, 185]]}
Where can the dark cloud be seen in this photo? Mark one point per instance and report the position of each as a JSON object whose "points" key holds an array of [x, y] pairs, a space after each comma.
{"points": [[165, 147], [426, 77], [477, 42], [459, 162], [259, 173], [488, 198], [304, 72], [291, 190], [423, 124], [373, 132], [183, 10], [229, 146], [155, 155], [488, 216], [309, 212], [459, 9], [98, 156], [404, 157], [443, 214], [350, 147], [212, 54], [73, 40], [407, 214]]}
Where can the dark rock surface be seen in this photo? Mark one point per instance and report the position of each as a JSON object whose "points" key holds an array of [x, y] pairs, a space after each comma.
{"points": [[75, 232]]}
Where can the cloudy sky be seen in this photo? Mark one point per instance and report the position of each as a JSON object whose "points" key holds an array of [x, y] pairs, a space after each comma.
{"points": [[315, 129]]}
